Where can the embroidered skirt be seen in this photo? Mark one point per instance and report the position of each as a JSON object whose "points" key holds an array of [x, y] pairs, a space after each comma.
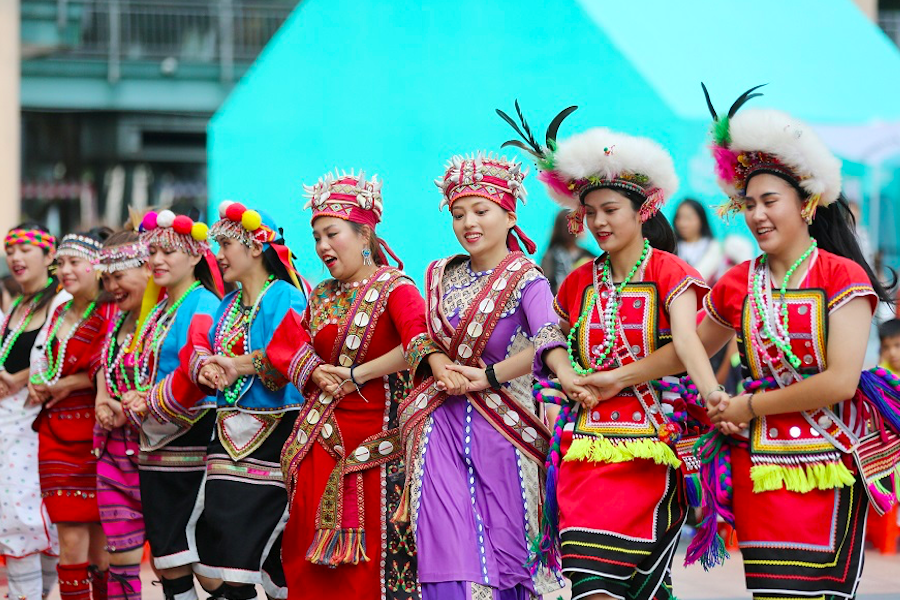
{"points": [[619, 525], [244, 509], [798, 544], [66, 463], [118, 488], [171, 478]]}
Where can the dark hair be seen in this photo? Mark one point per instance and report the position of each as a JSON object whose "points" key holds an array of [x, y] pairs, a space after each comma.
{"points": [[273, 264], [203, 274], [656, 229], [889, 329], [705, 229], [560, 235], [54, 282], [374, 245], [834, 229], [119, 238], [99, 234]]}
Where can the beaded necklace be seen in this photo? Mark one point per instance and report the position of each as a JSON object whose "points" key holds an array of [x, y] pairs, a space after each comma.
{"points": [[761, 304], [14, 334], [156, 329], [117, 382], [234, 328], [53, 372], [609, 319]]}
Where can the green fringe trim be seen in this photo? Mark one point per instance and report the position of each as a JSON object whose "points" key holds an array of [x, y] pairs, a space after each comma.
{"points": [[600, 449], [801, 478]]}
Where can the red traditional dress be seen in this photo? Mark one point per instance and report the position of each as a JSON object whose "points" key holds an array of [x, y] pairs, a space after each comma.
{"points": [[799, 508], [342, 462], [621, 493], [66, 462]]}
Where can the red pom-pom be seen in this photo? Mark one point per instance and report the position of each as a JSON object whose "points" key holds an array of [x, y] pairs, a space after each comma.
{"points": [[235, 211], [182, 225]]}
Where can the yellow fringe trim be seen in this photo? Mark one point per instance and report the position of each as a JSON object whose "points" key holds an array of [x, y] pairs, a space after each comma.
{"points": [[600, 449], [801, 478]]}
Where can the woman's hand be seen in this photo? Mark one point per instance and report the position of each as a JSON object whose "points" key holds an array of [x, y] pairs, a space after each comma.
{"points": [[581, 394], [328, 381], [212, 376], [135, 401], [37, 394], [729, 415], [11, 384], [477, 378], [118, 418], [227, 372], [340, 376], [448, 381], [603, 385]]}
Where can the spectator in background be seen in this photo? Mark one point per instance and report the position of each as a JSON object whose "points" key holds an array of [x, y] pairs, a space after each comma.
{"points": [[696, 244], [889, 352], [9, 291], [563, 254]]}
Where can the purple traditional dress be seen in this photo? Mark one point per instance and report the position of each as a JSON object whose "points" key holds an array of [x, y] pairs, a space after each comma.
{"points": [[475, 476]]}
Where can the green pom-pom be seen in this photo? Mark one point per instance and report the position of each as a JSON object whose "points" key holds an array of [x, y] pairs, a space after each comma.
{"points": [[721, 133]]}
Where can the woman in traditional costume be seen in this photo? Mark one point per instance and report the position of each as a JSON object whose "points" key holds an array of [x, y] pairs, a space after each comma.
{"points": [[243, 503], [343, 462], [123, 267], [475, 458], [800, 465], [173, 440], [25, 529], [63, 383], [614, 467]]}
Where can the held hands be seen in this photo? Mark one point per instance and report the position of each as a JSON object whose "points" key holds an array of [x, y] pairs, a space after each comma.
{"points": [[729, 415], [135, 401], [454, 383], [109, 413], [582, 394], [10, 385], [38, 393], [225, 373], [212, 376], [601, 385], [333, 380], [476, 378]]}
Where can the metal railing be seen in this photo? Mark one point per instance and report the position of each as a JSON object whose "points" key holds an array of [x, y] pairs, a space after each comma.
{"points": [[221, 32], [889, 21]]}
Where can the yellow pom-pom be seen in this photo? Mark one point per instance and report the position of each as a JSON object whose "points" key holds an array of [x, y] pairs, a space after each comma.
{"points": [[251, 220], [199, 231]]}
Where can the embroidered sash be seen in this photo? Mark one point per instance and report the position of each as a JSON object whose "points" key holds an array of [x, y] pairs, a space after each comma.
{"points": [[340, 533], [465, 345]]}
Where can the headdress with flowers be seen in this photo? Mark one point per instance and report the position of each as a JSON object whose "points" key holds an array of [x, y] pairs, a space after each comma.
{"points": [[80, 246], [494, 178], [597, 158], [350, 197], [770, 141], [250, 226]]}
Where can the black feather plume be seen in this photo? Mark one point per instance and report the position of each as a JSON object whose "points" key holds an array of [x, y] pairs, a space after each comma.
{"points": [[556, 122], [743, 99], [709, 103]]}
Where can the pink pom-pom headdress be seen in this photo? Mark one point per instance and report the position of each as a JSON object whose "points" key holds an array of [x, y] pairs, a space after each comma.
{"points": [[595, 159], [171, 231], [770, 141]]}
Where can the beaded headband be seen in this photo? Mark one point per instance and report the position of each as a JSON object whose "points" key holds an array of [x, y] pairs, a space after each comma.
{"points": [[770, 141], [80, 246], [238, 222], [179, 232], [34, 237], [346, 196], [122, 257]]}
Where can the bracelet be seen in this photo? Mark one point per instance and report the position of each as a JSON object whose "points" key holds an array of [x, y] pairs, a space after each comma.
{"points": [[352, 378], [492, 377], [750, 406], [718, 388]]}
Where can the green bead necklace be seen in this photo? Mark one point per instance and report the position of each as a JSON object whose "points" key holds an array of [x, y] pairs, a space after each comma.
{"points": [[233, 329], [156, 328], [610, 318], [54, 366], [14, 334], [760, 305]]}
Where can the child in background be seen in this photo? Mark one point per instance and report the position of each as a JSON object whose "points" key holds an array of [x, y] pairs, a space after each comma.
{"points": [[889, 352]]}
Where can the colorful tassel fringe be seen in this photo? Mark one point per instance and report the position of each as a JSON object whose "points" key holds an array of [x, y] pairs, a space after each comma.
{"points": [[600, 449], [333, 547]]}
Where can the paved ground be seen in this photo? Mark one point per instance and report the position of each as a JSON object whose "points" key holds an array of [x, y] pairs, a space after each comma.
{"points": [[881, 581]]}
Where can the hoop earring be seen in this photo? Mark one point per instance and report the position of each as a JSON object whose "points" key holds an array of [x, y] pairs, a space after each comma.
{"points": [[367, 257]]}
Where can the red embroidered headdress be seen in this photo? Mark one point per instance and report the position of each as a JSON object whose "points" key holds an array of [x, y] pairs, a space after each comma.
{"points": [[352, 198], [496, 179]]}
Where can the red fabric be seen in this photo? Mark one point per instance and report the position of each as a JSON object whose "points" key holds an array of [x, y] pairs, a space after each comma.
{"points": [[357, 419], [66, 464], [74, 582]]}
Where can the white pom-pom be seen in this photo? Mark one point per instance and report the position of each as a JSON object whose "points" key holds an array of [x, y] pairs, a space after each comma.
{"points": [[223, 206], [165, 218]]}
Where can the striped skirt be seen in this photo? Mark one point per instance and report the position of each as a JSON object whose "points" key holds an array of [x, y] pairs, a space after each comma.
{"points": [[118, 488]]}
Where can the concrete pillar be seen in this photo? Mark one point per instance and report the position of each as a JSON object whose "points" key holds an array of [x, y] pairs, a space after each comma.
{"points": [[10, 116], [868, 8]]}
